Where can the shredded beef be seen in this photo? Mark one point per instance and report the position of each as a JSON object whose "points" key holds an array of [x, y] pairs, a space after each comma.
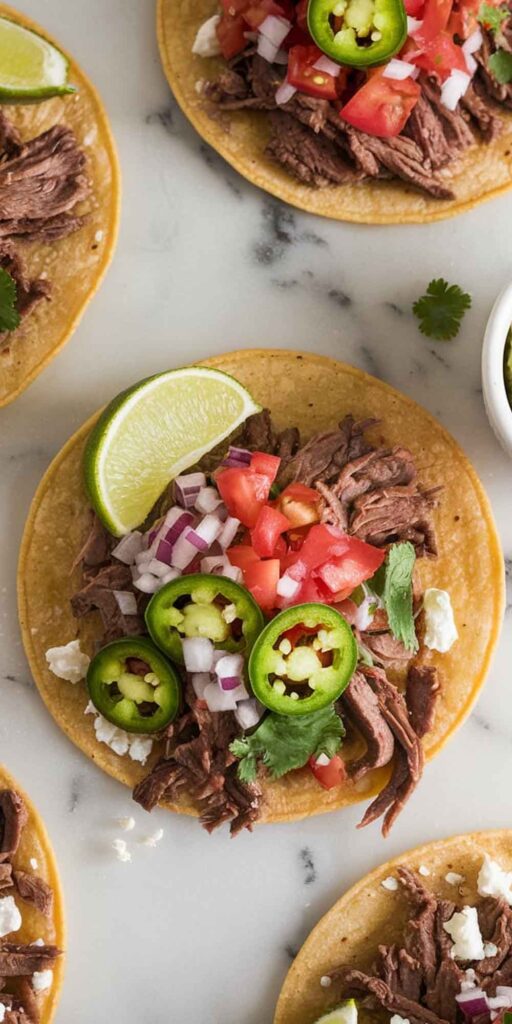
{"points": [[98, 593], [396, 514], [362, 707], [310, 158], [426, 128], [28, 292], [455, 126], [13, 818], [97, 546], [357, 984], [483, 113], [257, 433], [5, 876], [404, 159], [494, 90], [324, 455], [10, 138], [386, 650], [34, 890], [422, 691], [287, 444], [400, 971], [18, 960], [495, 919]]}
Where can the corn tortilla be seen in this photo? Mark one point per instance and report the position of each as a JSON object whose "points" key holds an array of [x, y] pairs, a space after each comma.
{"points": [[314, 392], [74, 265], [483, 172]]}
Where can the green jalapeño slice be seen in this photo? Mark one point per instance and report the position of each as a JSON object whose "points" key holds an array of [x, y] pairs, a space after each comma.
{"points": [[203, 605], [360, 33], [303, 660], [133, 686]]}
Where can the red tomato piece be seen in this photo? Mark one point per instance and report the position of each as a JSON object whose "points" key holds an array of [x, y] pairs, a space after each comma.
{"points": [[435, 19], [321, 544], [242, 555], [382, 106], [441, 55], [300, 504], [256, 13], [414, 8], [270, 524], [243, 492], [265, 465], [301, 15], [231, 35], [359, 563], [261, 579], [329, 775], [307, 78]]}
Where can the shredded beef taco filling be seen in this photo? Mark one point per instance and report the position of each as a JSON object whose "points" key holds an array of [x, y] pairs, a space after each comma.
{"points": [[368, 491]]}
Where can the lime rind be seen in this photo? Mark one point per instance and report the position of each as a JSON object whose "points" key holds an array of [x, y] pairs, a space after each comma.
{"points": [[31, 68], [154, 431]]}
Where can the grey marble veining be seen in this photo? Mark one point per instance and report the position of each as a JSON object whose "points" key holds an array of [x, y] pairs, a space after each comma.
{"points": [[202, 928]]}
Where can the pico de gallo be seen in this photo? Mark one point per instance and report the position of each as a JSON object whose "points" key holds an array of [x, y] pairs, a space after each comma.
{"points": [[337, 75], [251, 622]]}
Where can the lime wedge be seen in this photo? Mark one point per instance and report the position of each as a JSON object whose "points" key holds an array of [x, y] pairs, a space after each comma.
{"points": [[154, 431], [30, 66], [345, 1014]]}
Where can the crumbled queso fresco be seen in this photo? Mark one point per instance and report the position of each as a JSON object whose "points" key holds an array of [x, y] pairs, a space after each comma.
{"points": [[494, 881], [10, 917], [440, 629], [390, 883], [121, 742], [68, 662], [464, 930], [42, 980]]}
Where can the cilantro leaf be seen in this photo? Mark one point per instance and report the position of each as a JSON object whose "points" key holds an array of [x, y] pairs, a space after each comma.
{"points": [[398, 593], [500, 66], [9, 316], [285, 742], [492, 17], [441, 309]]}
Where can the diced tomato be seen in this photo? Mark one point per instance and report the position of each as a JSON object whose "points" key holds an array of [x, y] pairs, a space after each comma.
{"points": [[231, 35], [243, 492], [441, 55], [242, 555], [382, 106], [300, 504], [261, 579], [301, 15], [414, 8], [329, 775], [321, 544], [270, 524], [305, 77], [435, 19], [256, 13], [265, 465], [359, 563]]}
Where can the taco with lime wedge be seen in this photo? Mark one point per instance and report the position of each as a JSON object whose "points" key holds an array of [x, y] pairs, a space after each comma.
{"points": [[31, 913], [261, 588], [59, 199], [426, 938], [364, 110]]}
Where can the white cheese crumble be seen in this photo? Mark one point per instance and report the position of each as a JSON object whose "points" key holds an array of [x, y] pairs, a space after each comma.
{"points": [[440, 629], [464, 930], [121, 742], [34, 864], [453, 878], [122, 851], [37, 942], [494, 881], [490, 949], [42, 980], [206, 43], [397, 1019], [127, 824], [325, 981], [10, 917], [469, 980], [390, 884], [153, 839], [2, 1012], [68, 662], [423, 870]]}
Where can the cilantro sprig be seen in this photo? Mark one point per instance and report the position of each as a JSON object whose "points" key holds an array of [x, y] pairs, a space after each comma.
{"points": [[285, 742], [441, 309], [9, 316], [492, 17], [399, 568], [500, 65]]}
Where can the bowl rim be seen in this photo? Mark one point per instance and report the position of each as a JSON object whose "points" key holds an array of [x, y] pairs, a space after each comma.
{"points": [[496, 399]]}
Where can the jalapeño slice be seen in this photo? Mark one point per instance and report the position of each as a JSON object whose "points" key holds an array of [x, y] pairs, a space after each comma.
{"points": [[133, 686], [360, 33], [203, 605], [303, 660]]}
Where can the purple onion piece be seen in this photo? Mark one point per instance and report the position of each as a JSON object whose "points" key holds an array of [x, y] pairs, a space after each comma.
{"points": [[230, 682]]}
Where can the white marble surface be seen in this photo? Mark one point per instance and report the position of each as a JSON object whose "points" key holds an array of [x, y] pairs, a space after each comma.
{"points": [[203, 928]]}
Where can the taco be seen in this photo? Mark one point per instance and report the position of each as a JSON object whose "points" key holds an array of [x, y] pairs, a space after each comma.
{"points": [[426, 938], [322, 109], [376, 546], [59, 212], [31, 913]]}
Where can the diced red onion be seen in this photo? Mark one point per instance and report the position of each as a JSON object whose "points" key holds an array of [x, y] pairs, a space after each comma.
{"points": [[163, 554], [498, 1002], [504, 990], [413, 25], [174, 529], [230, 682], [147, 583], [228, 532], [267, 50], [208, 500], [454, 88], [249, 713], [285, 93], [198, 654], [126, 602], [229, 666], [471, 63], [328, 66], [171, 574], [214, 564], [473, 1002], [400, 70], [187, 488], [239, 694], [200, 680], [287, 587], [274, 29], [157, 567], [217, 655], [143, 558], [233, 572], [207, 530], [217, 699], [184, 551], [237, 457], [473, 42], [129, 547]]}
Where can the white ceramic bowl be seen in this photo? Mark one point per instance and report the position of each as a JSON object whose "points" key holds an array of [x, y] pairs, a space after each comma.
{"points": [[495, 396]]}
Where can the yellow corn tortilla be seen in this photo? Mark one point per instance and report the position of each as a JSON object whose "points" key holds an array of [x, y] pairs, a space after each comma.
{"points": [[483, 172], [35, 843], [314, 392], [369, 915], [74, 265]]}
